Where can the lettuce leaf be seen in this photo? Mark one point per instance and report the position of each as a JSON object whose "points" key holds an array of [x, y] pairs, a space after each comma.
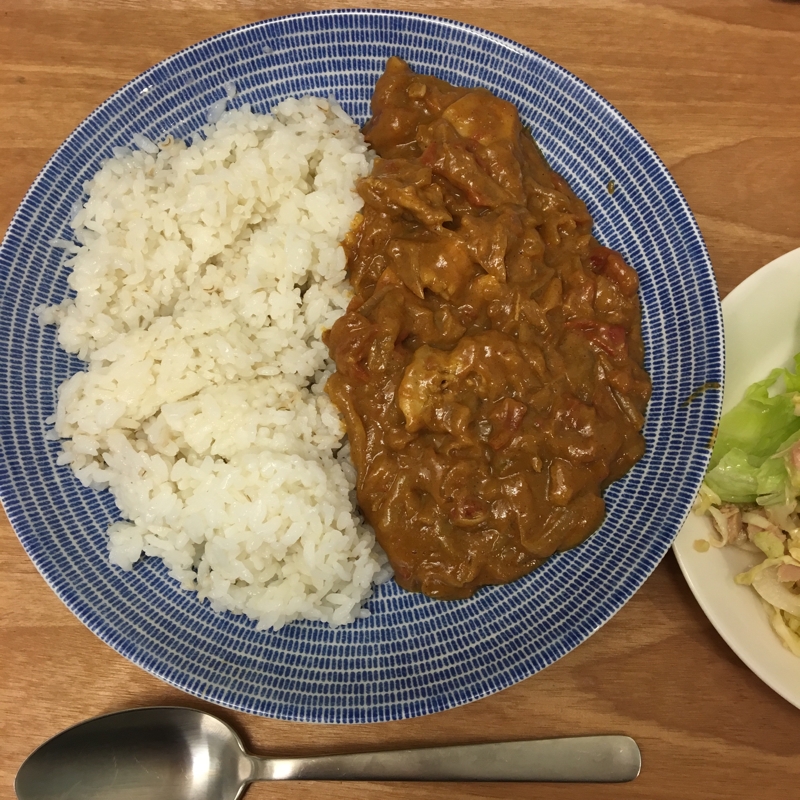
{"points": [[747, 464]]}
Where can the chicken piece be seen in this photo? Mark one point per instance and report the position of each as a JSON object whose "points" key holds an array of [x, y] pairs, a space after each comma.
{"points": [[481, 116], [443, 265], [483, 368], [427, 383], [398, 184]]}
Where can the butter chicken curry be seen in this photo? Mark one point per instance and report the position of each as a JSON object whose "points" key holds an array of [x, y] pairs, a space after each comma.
{"points": [[489, 367]]}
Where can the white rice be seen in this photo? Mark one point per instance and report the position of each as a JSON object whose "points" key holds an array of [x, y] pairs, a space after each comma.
{"points": [[204, 280]]}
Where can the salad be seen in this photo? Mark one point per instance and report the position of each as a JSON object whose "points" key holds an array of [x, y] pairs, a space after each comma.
{"points": [[752, 493]]}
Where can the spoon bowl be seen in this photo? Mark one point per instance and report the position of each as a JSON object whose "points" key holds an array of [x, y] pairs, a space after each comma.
{"points": [[143, 754], [168, 753]]}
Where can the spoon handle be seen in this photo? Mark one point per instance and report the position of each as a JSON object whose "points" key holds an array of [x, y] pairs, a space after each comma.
{"points": [[597, 759]]}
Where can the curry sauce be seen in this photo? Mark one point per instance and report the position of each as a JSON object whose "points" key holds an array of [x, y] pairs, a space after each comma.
{"points": [[489, 367]]}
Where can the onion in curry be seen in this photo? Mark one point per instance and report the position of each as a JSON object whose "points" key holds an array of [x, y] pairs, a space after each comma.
{"points": [[490, 365]]}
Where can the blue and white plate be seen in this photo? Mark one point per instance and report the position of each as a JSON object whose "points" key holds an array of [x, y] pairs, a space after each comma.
{"points": [[413, 656]]}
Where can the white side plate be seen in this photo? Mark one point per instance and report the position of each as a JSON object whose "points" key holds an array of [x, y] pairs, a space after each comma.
{"points": [[762, 331]]}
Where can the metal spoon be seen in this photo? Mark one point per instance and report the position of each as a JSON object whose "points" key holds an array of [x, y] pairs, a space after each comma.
{"points": [[166, 753]]}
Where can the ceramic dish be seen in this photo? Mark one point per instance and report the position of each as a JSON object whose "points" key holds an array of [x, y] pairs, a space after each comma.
{"points": [[413, 656], [753, 348]]}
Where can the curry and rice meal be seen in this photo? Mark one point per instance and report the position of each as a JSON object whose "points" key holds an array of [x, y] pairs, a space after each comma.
{"points": [[431, 282]]}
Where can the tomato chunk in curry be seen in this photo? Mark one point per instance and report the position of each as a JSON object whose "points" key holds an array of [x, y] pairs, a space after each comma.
{"points": [[489, 367]]}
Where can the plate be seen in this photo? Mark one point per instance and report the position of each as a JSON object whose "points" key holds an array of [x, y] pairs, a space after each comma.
{"points": [[413, 655], [753, 348]]}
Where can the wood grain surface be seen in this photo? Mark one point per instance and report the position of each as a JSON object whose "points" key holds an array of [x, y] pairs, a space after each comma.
{"points": [[715, 88]]}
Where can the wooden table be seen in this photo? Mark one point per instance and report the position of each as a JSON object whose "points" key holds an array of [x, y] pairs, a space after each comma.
{"points": [[714, 86]]}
